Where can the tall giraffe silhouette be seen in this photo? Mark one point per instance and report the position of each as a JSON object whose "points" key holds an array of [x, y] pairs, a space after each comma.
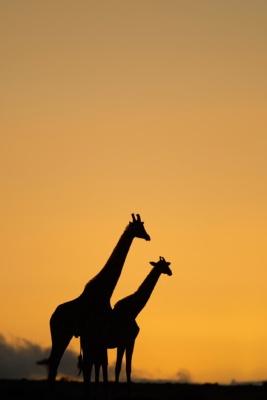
{"points": [[91, 311], [123, 328]]}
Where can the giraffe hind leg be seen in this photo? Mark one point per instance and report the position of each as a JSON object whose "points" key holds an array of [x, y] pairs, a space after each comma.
{"points": [[59, 346]]}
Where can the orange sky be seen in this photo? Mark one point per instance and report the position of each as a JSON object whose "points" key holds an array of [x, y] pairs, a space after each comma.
{"points": [[151, 107]]}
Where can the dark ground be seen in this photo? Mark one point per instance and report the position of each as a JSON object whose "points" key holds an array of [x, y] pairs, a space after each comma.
{"points": [[24, 389]]}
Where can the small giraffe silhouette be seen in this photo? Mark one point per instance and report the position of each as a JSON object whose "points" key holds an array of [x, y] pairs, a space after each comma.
{"points": [[123, 328], [90, 311]]}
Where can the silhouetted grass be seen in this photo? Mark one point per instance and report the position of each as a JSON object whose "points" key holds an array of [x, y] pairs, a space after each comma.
{"points": [[29, 390]]}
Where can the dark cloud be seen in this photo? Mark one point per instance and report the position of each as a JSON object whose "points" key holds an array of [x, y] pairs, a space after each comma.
{"points": [[18, 360]]}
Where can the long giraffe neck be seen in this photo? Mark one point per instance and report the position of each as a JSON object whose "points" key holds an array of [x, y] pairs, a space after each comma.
{"points": [[143, 293], [105, 281]]}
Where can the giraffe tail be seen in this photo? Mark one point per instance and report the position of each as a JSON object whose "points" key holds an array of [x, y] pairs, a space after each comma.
{"points": [[45, 361]]}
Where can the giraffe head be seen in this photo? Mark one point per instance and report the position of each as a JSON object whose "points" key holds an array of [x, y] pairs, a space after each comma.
{"points": [[163, 266], [136, 226]]}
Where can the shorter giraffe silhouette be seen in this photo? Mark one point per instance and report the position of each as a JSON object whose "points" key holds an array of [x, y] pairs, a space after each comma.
{"points": [[123, 328]]}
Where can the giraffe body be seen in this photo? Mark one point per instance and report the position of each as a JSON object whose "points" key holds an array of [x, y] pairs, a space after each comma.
{"points": [[123, 328]]}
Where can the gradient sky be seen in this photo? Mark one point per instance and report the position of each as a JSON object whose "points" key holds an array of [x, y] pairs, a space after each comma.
{"points": [[153, 107]]}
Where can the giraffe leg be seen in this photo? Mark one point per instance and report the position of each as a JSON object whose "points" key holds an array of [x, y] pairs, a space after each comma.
{"points": [[105, 373], [59, 346], [101, 361], [120, 352], [87, 372], [60, 337], [129, 355], [104, 364], [97, 371]]}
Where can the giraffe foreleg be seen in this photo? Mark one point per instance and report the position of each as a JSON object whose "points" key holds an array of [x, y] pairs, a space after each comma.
{"points": [[87, 367], [104, 364]]}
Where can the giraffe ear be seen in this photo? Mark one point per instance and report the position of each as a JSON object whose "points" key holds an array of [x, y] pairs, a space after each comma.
{"points": [[153, 263]]}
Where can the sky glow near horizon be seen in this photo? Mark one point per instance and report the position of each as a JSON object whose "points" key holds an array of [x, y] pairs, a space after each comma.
{"points": [[151, 107]]}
